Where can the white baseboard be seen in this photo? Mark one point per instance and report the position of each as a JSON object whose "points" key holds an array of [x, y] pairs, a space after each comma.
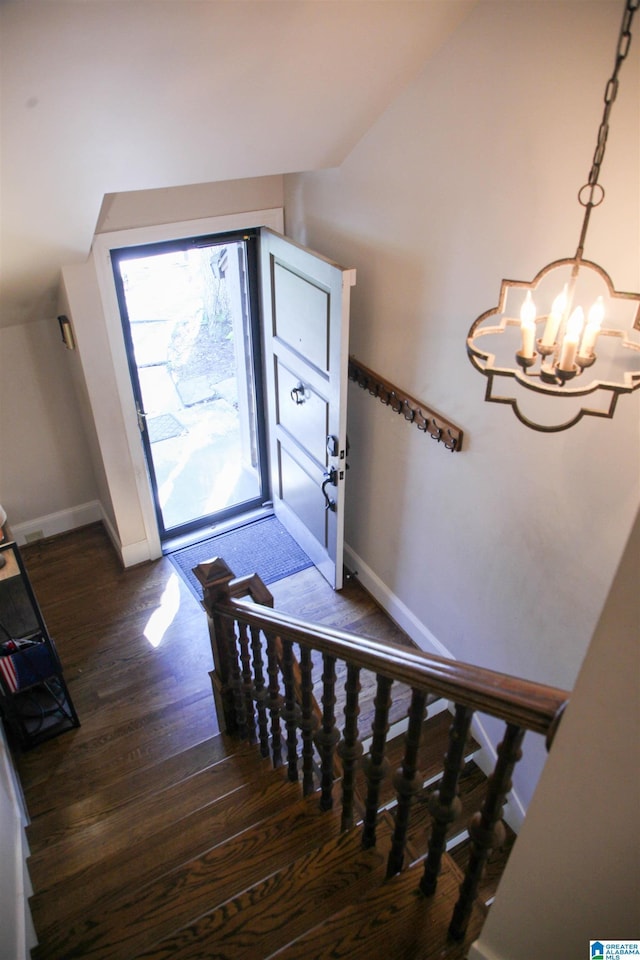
{"points": [[113, 536], [74, 517], [478, 951], [135, 553], [514, 811], [55, 523], [132, 553], [393, 606]]}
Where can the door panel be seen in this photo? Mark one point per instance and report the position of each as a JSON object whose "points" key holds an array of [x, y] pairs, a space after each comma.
{"points": [[305, 300], [302, 319], [306, 419], [298, 489]]}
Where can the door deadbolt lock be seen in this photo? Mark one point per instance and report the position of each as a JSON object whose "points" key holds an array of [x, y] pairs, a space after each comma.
{"points": [[333, 446]]}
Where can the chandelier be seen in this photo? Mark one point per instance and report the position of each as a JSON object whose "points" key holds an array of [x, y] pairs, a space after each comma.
{"points": [[568, 333]]}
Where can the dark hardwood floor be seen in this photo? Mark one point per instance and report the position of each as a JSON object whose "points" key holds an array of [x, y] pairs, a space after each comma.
{"points": [[151, 831], [135, 649]]}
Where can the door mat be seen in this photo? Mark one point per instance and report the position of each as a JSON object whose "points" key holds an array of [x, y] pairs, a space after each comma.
{"points": [[164, 427], [263, 547]]}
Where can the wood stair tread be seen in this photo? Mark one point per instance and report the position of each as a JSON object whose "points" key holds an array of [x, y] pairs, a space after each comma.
{"points": [[183, 785], [472, 789], [207, 874], [471, 793], [82, 764], [120, 926], [88, 883], [158, 851], [434, 743], [144, 818], [494, 867], [392, 919], [285, 905]]}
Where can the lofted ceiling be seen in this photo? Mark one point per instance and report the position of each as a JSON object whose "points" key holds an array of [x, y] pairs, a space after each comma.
{"points": [[104, 97]]}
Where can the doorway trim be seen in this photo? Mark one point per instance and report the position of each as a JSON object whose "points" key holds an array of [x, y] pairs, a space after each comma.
{"points": [[103, 243]]}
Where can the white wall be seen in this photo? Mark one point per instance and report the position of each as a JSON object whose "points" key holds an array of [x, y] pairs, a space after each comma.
{"points": [[573, 875], [107, 97], [105, 424], [506, 551], [45, 462]]}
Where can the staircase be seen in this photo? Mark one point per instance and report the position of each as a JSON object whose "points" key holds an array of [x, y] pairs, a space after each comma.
{"points": [[273, 839], [214, 853]]}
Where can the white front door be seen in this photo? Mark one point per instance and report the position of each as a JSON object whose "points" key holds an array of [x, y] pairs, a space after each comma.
{"points": [[305, 305]]}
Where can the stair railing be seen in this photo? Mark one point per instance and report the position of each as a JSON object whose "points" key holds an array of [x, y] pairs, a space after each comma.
{"points": [[249, 639]]}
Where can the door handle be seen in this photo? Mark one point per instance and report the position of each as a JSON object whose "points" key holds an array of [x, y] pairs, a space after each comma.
{"points": [[299, 394], [142, 418], [329, 478]]}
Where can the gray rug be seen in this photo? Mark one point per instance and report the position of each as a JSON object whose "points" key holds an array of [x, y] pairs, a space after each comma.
{"points": [[263, 547]]}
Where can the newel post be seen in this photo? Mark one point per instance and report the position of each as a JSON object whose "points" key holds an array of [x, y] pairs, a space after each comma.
{"points": [[215, 576]]}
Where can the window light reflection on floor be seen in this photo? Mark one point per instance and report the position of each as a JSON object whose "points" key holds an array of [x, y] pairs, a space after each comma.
{"points": [[162, 618]]}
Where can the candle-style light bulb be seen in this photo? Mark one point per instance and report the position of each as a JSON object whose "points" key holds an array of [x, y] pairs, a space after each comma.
{"points": [[528, 325], [554, 319], [594, 323], [575, 324]]}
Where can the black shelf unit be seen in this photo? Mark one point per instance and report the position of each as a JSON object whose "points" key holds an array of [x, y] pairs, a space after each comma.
{"points": [[35, 704]]}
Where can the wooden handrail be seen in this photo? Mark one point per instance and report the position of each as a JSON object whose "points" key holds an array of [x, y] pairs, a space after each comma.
{"points": [[525, 703], [242, 693], [413, 410]]}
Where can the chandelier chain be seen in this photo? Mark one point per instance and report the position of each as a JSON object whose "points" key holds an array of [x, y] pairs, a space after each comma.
{"points": [[611, 90], [592, 193]]}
